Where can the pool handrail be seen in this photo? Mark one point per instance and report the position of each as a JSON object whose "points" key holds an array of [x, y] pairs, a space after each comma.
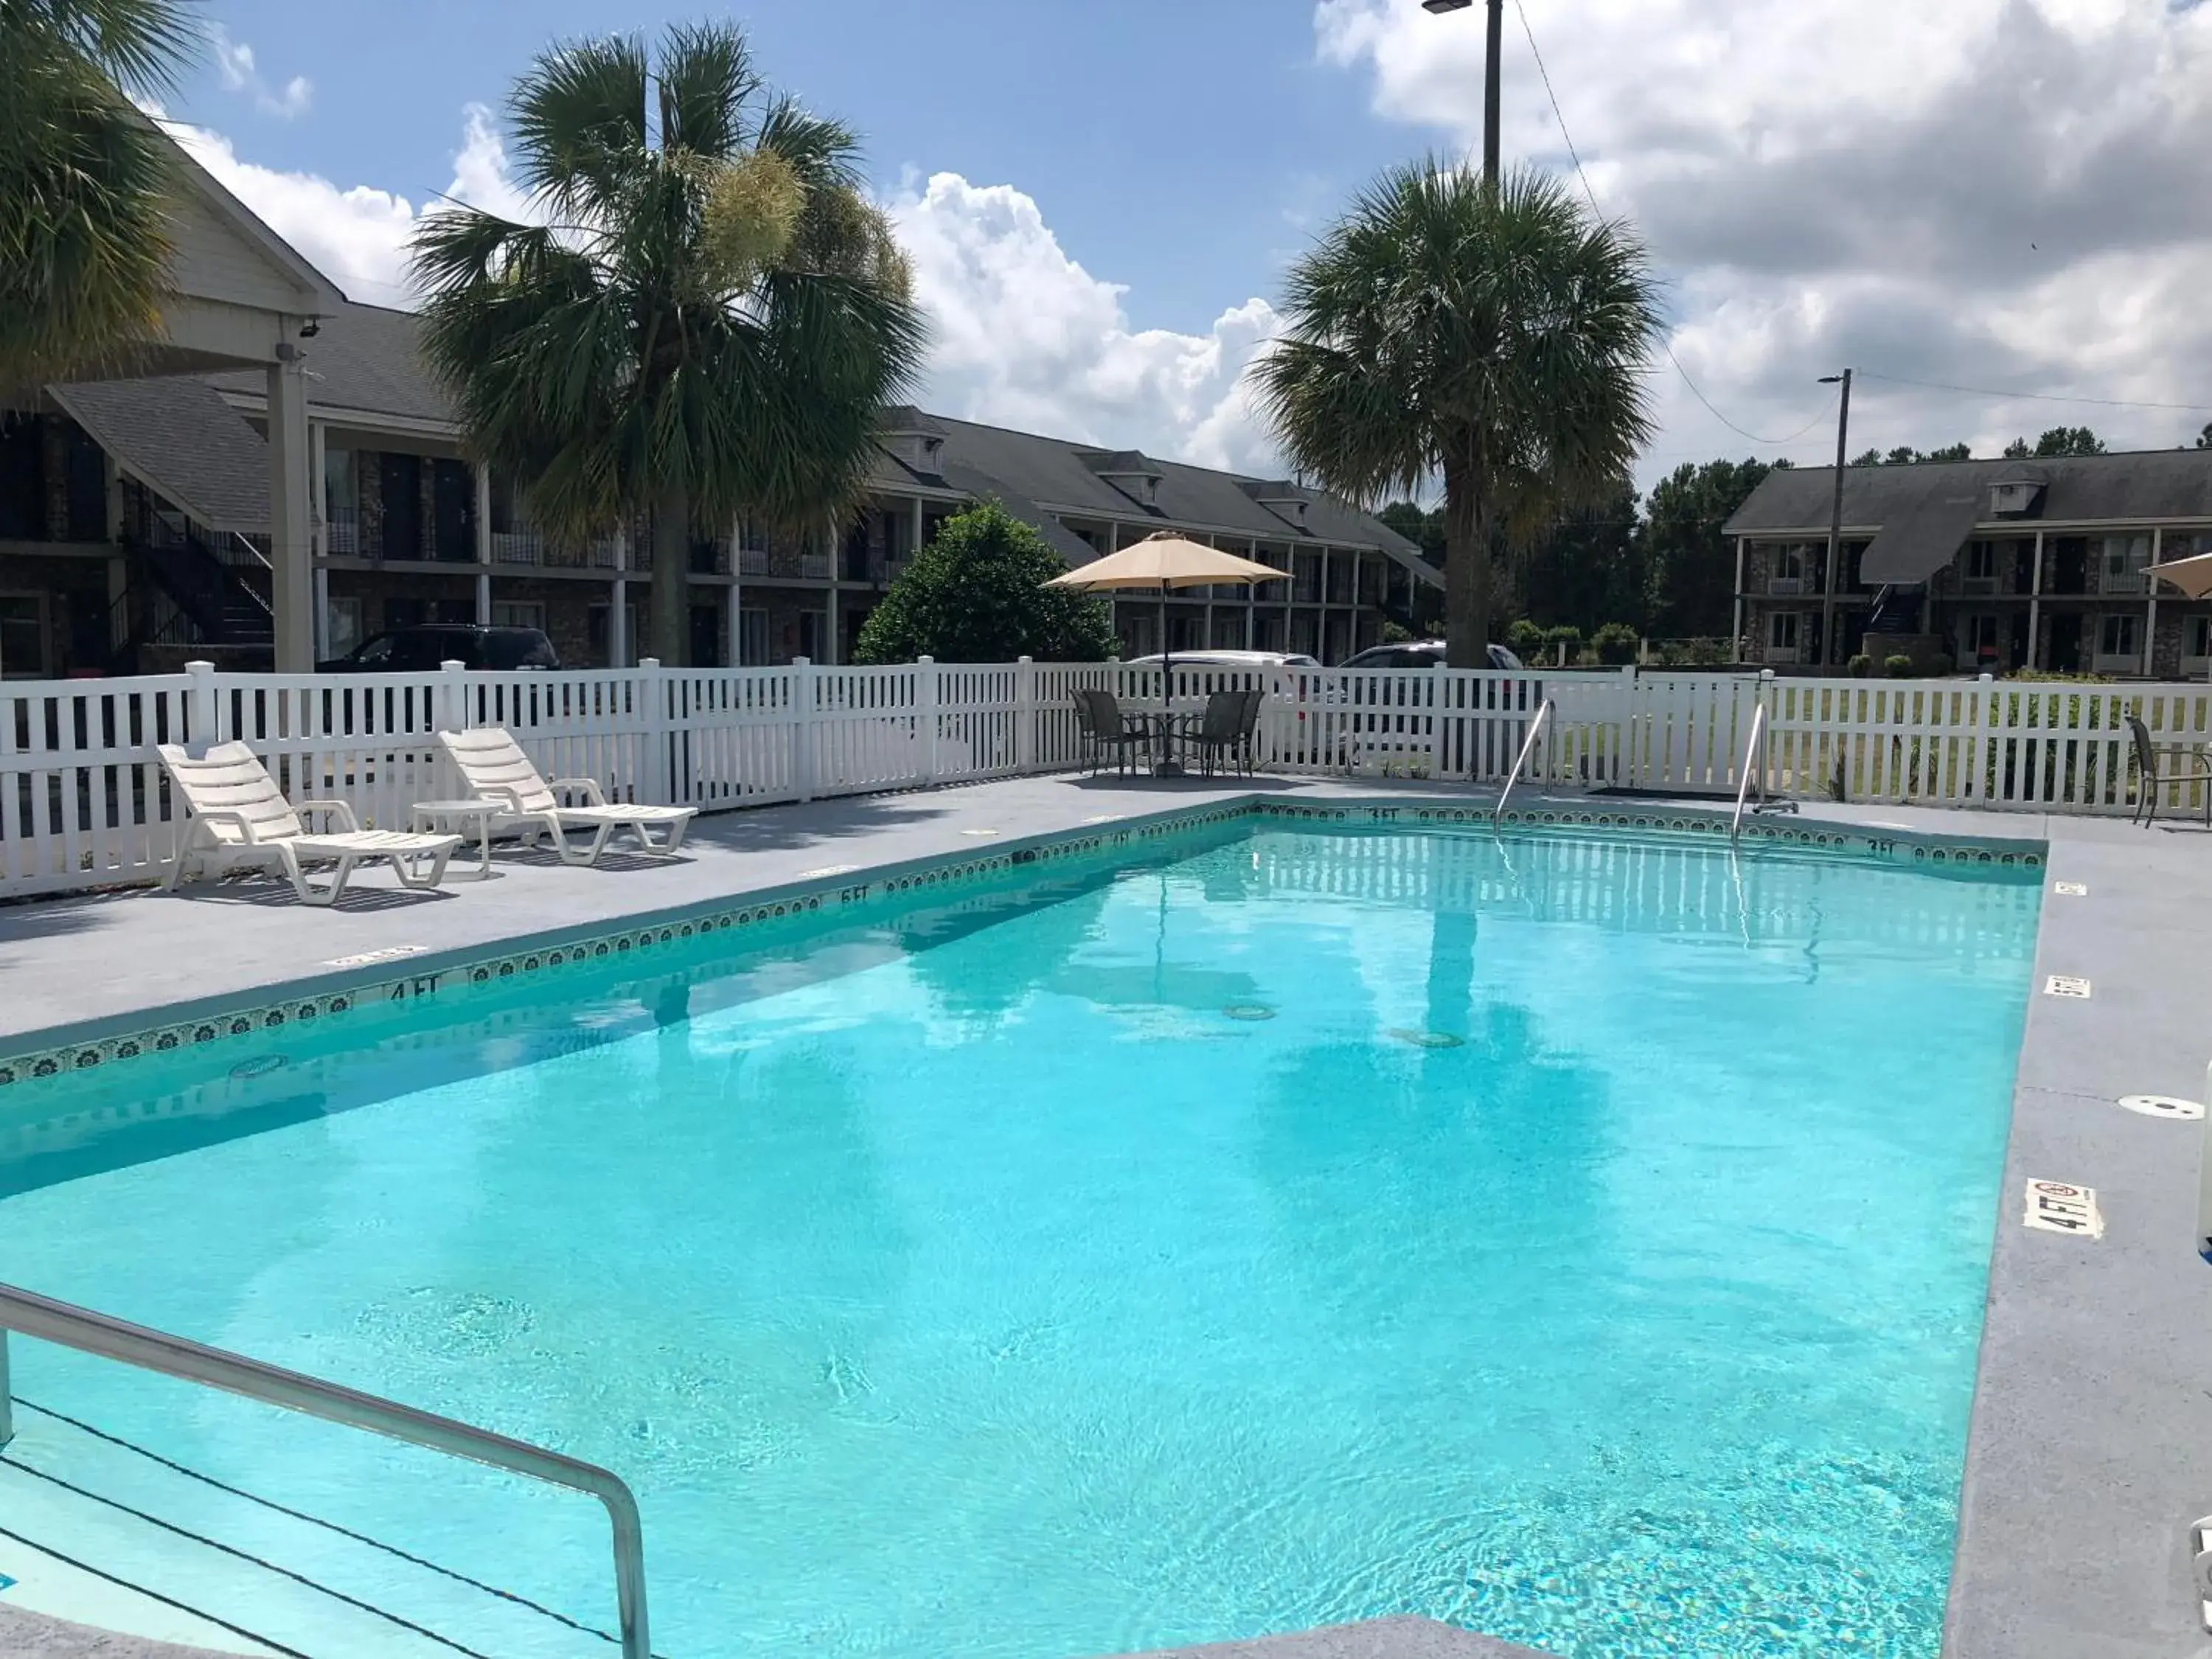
{"points": [[1754, 752], [1544, 713], [107, 1338]]}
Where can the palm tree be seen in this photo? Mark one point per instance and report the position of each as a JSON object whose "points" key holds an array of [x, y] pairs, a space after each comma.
{"points": [[1492, 335], [84, 180], [708, 322]]}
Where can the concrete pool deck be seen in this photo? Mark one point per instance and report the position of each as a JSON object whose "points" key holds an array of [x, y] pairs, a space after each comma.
{"points": [[2088, 1457]]}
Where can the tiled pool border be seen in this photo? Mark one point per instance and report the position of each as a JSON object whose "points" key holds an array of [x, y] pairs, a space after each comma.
{"points": [[51, 1053]]}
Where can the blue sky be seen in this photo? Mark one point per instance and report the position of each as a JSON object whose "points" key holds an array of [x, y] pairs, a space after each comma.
{"points": [[1182, 148], [2003, 195]]}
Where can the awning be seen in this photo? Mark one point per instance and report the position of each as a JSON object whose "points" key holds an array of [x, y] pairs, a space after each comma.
{"points": [[1927, 537], [177, 437]]}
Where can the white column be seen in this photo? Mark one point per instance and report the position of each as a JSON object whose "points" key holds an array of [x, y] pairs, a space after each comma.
{"points": [[831, 655], [291, 550], [483, 543], [733, 601], [1737, 645], [618, 605], [318, 493], [2150, 610], [1251, 604], [2035, 607]]}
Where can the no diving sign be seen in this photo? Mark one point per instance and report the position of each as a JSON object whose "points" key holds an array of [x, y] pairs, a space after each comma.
{"points": [[2060, 1207]]}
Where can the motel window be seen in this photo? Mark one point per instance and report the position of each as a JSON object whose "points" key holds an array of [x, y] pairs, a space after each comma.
{"points": [[343, 626], [2196, 636], [1782, 630], [23, 637], [1790, 564], [2116, 635], [517, 613], [2124, 559], [1982, 565]]}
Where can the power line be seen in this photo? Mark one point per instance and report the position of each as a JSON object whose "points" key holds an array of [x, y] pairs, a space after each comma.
{"points": [[1580, 172], [2037, 397]]}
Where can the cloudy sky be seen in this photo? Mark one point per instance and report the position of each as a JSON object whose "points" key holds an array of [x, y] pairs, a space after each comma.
{"points": [[2003, 196]]}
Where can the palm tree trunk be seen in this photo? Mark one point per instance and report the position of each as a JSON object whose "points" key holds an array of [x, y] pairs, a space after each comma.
{"points": [[672, 575], [1466, 565]]}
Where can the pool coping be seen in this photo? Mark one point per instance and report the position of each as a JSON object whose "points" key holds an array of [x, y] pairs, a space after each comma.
{"points": [[2089, 1353]]}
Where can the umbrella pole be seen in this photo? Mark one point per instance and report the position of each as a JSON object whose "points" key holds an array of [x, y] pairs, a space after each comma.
{"points": [[1166, 766]]}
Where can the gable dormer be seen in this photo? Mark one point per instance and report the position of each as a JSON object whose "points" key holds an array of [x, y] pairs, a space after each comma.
{"points": [[1136, 476], [1281, 497], [913, 440], [2017, 492]]}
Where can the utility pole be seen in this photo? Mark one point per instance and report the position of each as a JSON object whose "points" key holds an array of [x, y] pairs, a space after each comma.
{"points": [[1490, 77], [1835, 519]]}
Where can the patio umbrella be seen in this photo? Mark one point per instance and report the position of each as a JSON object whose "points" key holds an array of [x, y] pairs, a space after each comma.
{"points": [[2193, 576], [1160, 562]]}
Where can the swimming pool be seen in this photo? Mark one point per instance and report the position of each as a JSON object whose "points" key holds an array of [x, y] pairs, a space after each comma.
{"points": [[1580, 1240]]}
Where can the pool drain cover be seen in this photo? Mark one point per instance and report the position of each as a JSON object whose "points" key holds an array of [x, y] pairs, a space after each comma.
{"points": [[2164, 1106], [247, 1070], [1251, 1012]]}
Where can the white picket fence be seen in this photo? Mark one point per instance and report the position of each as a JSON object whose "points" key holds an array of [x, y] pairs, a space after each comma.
{"points": [[83, 802]]}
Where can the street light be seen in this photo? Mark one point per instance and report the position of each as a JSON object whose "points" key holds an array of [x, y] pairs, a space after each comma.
{"points": [[1489, 76]]}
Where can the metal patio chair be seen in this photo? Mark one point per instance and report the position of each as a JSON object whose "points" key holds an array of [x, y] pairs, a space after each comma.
{"points": [[2160, 769], [1219, 733], [1112, 730]]}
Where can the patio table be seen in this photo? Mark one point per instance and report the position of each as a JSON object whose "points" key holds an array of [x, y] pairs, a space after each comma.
{"points": [[457, 816]]}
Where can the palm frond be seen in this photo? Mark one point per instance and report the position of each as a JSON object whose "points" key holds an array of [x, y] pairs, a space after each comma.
{"points": [[579, 118], [138, 43], [707, 76], [825, 154]]}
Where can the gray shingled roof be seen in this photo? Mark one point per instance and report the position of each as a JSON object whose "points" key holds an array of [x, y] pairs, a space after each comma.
{"points": [[2160, 483], [365, 359], [181, 439]]}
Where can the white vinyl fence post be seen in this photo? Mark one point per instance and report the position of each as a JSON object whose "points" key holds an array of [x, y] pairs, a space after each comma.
{"points": [[806, 731], [1624, 724], [928, 695], [652, 710], [205, 718], [1439, 690], [1026, 715], [453, 697]]}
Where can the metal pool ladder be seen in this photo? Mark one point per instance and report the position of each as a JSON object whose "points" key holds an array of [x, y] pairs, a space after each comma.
{"points": [[1544, 713], [1754, 755], [173, 1356]]}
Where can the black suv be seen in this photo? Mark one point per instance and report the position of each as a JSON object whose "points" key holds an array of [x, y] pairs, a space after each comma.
{"points": [[426, 645]]}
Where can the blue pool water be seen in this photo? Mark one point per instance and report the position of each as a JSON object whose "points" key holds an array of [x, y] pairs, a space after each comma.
{"points": [[1580, 1241]]}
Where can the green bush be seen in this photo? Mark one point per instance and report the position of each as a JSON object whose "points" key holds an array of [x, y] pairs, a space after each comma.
{"points": [[1860, 667], [1897, 667], [1940, 664], [977, 594], [1525, 638], [1396, 633], [1616, 643], [1708, 653]]}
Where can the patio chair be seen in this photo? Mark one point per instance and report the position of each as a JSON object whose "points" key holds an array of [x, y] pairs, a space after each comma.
{"points": [[1248, 735], [494, 769], [1219, 733], [1112, 729], [240, 817], [2162, 768], [1086, 730]]}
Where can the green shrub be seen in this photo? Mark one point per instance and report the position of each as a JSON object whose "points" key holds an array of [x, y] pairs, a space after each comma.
{"points": [[1860, 667], [1525, 638], [1616, 643], [977, 594], [1940, 664], [1897, 667]]}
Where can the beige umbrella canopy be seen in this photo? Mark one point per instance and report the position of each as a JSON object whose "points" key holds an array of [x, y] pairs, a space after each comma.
{"points": [[2193, 576], [1163, 562]]}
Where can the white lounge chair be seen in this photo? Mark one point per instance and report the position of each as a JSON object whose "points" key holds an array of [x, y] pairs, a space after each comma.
{"points": [[495, 767], [240, 817]]}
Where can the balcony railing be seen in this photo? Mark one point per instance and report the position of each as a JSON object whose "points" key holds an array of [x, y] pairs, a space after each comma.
{"points": [[521, 546]]}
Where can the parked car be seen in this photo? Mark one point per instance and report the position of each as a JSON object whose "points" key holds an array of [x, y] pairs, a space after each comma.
{"points": [[426, 645], [1427, 653], [1230, 659]]}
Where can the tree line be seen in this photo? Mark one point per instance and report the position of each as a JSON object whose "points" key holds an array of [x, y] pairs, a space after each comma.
{"points": [[1660, 565]]}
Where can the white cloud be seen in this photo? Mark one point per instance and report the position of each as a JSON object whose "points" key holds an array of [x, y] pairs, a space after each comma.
{"points": [[233, 62], [357, 235], [1025, 337], [2002, 193]]}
